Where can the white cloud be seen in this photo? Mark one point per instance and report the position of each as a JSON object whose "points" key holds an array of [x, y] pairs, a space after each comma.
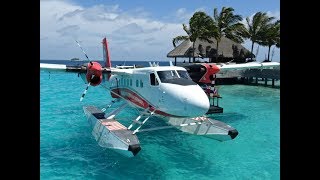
{"points": [[132, 28], [131, 36], [275, 14], [182, 15], [68, 30]]}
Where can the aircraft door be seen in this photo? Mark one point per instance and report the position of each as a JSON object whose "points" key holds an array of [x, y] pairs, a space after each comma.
{"points": [[154, 86]]}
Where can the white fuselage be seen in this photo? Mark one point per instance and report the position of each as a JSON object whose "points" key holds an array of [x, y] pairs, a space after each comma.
{"points": [[167, 90]]}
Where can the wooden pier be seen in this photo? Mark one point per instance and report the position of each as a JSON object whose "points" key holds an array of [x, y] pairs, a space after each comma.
{"points": [[214, 108], [250, 76]]}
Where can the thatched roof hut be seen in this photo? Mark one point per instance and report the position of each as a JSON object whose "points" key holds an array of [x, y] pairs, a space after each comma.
{"points": [[228, 50]]}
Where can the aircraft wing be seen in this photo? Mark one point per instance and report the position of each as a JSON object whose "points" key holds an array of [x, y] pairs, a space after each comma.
{"points": [[66, 68], [251, 65], [53, 67], [121, 71]]}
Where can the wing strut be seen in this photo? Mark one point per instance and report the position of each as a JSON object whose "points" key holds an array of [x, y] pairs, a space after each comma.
{"points": [[136, 121]]}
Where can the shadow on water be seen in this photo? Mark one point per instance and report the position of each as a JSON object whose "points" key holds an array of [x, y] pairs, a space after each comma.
{"points": [[229, 117], [175, 149]]}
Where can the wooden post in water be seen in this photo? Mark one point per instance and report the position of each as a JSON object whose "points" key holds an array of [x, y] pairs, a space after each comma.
{"points": [[272, 82], [242, 80], [212, 88], [265, 81]]}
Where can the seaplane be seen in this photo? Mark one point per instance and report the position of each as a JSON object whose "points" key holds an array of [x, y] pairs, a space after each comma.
{"points": [[164, 91], [205, 73]]}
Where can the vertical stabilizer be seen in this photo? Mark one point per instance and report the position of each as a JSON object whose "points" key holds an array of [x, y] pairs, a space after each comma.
{"points": [[106, 53]]}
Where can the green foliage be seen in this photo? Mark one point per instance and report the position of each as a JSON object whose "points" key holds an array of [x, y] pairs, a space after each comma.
{"points": [[200, 26], [257, 26], [271, 35], [227, 24], [263, 31], [260, 28]]}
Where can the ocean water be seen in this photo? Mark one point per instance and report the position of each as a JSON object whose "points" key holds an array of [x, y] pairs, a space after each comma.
{"points": [[69, 151]]}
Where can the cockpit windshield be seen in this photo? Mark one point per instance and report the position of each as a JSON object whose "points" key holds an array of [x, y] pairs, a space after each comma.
{"points": [[183, 74], [166, 75], [172, 77]]}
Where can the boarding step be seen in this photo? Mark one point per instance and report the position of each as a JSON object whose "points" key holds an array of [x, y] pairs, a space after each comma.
{"points": [[215, 109]]}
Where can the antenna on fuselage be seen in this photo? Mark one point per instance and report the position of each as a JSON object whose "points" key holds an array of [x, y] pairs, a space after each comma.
{"points": [[154, 64]]}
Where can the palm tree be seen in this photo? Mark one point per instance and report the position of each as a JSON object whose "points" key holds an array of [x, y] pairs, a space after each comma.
{"points": [[227, 24], [182, 38], [200, 27], [256, 27], [271, 36]]}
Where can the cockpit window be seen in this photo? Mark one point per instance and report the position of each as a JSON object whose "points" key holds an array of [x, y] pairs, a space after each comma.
{"points": [[166, 75], [183, 74], [172, 77], [153, 80]]}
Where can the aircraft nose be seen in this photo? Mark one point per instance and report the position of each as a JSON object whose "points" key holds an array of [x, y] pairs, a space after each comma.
{"points": [[197, 104]]}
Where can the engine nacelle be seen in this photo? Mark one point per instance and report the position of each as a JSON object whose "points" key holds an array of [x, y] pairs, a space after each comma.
{"points": [[212, 69], [94, 69]]}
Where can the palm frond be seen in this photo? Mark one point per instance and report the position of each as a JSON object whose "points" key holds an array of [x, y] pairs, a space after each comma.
{"points": [[215, 14], [179, 39], [186, 29]]}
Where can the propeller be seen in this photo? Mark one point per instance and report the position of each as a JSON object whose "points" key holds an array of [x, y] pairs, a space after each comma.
{"points": [[85, 91], [94, 73]]}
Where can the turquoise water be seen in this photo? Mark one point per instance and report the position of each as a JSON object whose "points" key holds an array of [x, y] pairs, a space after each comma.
{"points": [[69, 151]]}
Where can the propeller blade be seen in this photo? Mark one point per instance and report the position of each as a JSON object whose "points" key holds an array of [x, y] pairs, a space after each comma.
{"points": [[85, 91], [84, 52]]}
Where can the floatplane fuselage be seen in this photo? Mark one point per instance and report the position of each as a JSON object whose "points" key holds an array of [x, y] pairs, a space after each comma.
{"points": [[167, 89]]}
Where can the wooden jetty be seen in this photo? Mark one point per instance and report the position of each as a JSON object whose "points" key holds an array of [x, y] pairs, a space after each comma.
{"points": [[249, 76], [215, 108]]}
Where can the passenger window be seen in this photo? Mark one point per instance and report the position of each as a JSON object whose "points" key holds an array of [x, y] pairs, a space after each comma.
{"points": [[153, 80], [141, 83], [127, 82], [137, 83]]}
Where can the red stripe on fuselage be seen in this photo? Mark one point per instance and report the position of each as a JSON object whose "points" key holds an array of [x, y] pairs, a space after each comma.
{"points": [[138, 100]]}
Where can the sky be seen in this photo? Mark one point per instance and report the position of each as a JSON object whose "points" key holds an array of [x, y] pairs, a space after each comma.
{"points": [[139, 30]]}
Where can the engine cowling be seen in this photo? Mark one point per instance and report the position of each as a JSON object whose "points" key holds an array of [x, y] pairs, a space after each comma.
{"points": [[211, 70], [94, 68]]}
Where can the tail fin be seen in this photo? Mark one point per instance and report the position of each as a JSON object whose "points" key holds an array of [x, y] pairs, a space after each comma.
{"points": [[106, 54]]}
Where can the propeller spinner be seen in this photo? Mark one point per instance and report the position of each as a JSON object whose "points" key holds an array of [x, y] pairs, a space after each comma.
{"points": [[93, 76]]}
